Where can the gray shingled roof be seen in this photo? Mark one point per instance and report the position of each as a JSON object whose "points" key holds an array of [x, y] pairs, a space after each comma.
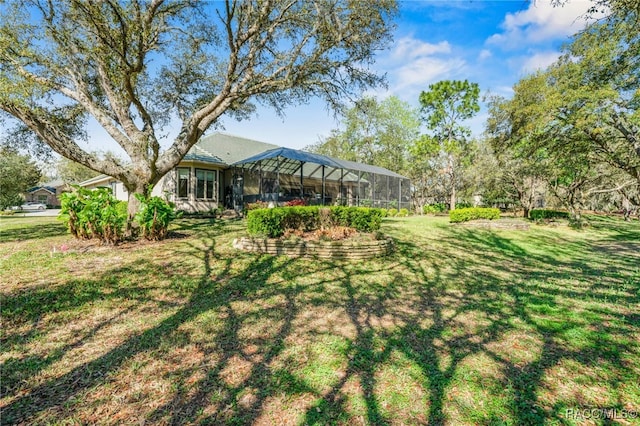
{"points": [[229, 149]]}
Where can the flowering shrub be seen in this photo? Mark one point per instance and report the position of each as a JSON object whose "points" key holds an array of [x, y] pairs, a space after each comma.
{"points": [[297, 202]]}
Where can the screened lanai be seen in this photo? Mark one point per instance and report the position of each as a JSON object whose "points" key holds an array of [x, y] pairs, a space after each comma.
{"points": [[282, 174]]}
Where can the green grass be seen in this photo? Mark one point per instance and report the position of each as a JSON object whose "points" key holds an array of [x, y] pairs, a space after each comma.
{"points": [[458, 326]]}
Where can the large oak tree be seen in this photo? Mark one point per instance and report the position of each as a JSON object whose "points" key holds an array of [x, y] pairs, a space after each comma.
{"points": [[134, 66]]}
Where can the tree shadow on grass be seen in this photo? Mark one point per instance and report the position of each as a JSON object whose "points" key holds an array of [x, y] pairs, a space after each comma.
{"points": [[438, 310], [30, 231], [481, 296]]}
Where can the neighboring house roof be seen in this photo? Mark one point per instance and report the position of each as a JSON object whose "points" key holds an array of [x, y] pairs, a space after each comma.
{"points": [[54, 183], [49, 189], [96, 180], [50, 186]]}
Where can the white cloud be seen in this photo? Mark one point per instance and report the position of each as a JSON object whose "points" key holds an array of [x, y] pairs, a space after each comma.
{"points": [[539, 61], [484, 54], [541, 22], [413, 64], [411, 48], [426, 70]]}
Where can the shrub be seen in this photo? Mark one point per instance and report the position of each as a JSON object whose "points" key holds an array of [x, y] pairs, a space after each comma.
{"points": [[463, 205], [464, 215], [94, 214], [403, 213], [297, 202], [266, 222], [274, 222], [392, 212], [301, 218], [544, 214], [434, 208], [363, 219], [154, 216]]}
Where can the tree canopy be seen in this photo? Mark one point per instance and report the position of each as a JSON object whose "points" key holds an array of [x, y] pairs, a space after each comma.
{"points": [[374, 132], [579, 118]]}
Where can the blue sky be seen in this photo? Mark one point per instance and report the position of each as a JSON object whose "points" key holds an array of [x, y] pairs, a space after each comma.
{"points": [[492, 43]]}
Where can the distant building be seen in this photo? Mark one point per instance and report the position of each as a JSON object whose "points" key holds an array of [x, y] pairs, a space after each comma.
{"points": [[48, 193]]}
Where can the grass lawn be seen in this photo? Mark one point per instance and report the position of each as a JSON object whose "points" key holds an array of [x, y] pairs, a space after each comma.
{"points": [[458, 326]]}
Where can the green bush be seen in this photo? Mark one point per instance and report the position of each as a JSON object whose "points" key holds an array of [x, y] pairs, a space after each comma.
{"points": [[154, 216], [301, 218], [544, 214], [434, 208], [266, 222], [392, 212], [464, 215], [463, 205], [403, 213], [274, 222], [94, 214], [363, 219]]}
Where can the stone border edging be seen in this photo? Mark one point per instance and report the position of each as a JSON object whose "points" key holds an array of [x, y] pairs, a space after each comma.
{"points": [[322, 249]]}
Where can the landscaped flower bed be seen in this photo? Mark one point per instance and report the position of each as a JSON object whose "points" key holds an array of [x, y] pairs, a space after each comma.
{"points": [[336, 232]]}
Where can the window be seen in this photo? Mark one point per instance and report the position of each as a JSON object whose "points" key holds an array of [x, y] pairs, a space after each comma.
{"points": [[183, 182], [205, 184], [42, 198]]}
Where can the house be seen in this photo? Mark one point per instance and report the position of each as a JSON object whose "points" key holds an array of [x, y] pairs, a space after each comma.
{"points": [[47, 193], [227, 171]]}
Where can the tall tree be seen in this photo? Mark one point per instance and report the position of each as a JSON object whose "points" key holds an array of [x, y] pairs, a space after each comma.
{"points": [[18, 173], [374, 132], [134, 66], [445, 106], [594, 89]]}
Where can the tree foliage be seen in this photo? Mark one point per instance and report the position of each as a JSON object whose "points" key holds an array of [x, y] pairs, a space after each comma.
{"points": [[578, 120], [374, 132], [18, 173], [134, 66], [445, 107]]}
